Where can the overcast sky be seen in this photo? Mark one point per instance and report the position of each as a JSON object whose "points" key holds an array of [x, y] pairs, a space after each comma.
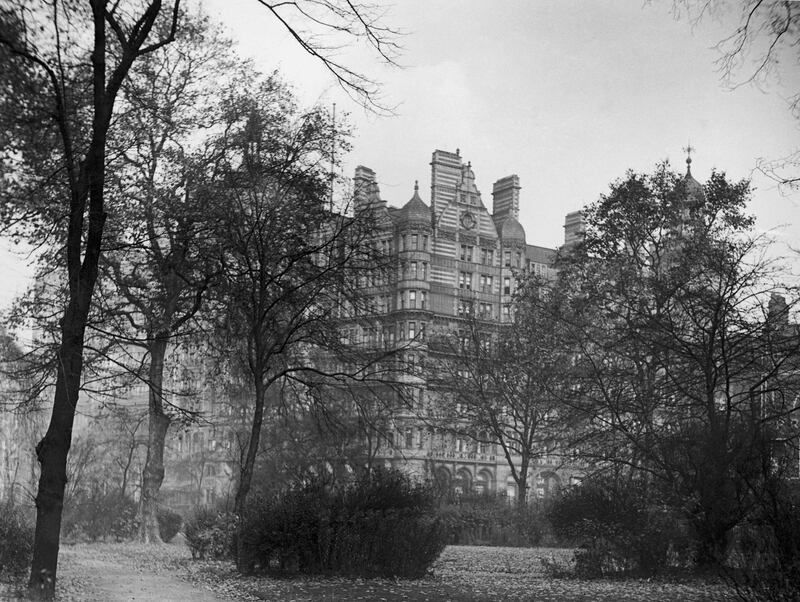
{"points": [[566, 94]]}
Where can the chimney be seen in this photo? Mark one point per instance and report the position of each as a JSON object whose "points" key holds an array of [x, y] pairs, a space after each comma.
{"points": [[365, 189], [573, 228], [505, 198]]}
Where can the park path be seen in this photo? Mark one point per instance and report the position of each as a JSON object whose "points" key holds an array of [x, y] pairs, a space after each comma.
{"points": [[86, 577]]}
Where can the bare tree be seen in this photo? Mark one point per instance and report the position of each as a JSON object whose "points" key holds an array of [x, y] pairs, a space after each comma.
{"points": [[763, 48], [499, 384]]}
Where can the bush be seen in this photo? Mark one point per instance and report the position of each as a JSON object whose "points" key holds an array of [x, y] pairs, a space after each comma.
{"points": [[16, 542], [766, 561], [618, 530], [98, 516], [492, 520], [210, 534], [169, 523], [381, 525]]}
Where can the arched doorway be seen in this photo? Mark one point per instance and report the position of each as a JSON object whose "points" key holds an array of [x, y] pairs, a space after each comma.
{"points": [[484, 482], [463, 481], [548, 484]]}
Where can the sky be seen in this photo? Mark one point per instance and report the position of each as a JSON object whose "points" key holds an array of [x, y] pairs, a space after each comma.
{"points": [[566, 94]]}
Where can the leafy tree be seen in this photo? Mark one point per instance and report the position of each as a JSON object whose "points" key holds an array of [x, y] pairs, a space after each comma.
{"points": [[55, 54], [666, 310], [291, 263], [64, 65], [159, 260]]}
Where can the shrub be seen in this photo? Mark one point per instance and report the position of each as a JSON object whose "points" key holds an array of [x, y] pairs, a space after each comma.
{"points": [[619, 530], [766, 562], [16, 542], [97, 516], [491, 520], [210, 534], [381, 525], [169, 523]]}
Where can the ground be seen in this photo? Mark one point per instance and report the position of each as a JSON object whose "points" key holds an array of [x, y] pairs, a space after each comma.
{"points": [[125, 572]]}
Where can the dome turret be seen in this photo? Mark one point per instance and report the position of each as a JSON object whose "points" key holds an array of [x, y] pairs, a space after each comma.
{"points": [[512, 230], [694, 189], [415, 210]]}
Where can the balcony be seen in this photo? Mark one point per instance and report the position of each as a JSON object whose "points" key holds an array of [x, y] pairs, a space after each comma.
{"points": [[455, 456]]}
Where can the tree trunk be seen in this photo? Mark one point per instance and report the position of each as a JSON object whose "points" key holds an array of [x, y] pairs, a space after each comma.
{"points": [[153, 474], [53, 449], [522, 485], [246, 471]]}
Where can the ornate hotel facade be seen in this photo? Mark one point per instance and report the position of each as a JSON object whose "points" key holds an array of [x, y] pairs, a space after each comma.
{"points": [[456, 261]]}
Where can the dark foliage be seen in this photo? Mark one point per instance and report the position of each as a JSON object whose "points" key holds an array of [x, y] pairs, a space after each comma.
{"points": [[210, 534], [93, 516], [619, 529], [765, 564], [16, 542], [381, 525], [169, 523], [494, 521]]}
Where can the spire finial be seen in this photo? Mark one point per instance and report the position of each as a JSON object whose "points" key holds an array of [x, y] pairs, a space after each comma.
{"points": [[416, 186], [688, 149]]}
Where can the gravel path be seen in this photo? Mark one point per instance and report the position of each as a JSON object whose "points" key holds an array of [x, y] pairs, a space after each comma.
{"points": [[88, 576]]}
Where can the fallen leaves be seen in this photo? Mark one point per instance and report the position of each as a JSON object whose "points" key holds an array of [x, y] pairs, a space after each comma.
{"points": [[462, 573]]}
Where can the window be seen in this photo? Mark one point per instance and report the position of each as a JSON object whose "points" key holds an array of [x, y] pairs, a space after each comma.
{"points": [[401, 332], [413, 270], [424, 242], [486, 283], [409, 438], [519, 260], [423, 299], [486, 311], [466, 252], [507, 259], [424, 271], [506, 286], [402, 300], [465, 280], [412, 330], [403, 246], [506, 311], [412, 299], [415, 241]]}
